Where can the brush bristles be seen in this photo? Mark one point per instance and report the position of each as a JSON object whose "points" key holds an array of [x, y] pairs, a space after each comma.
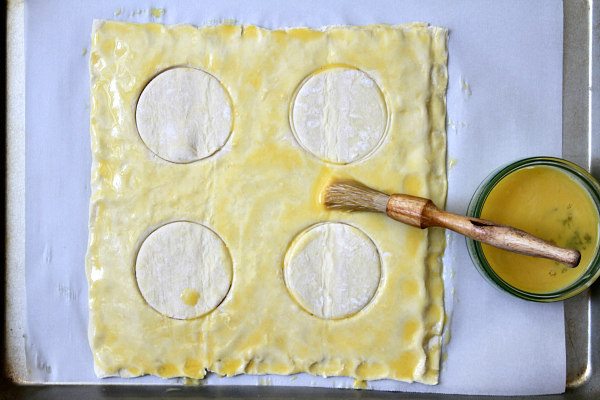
{"points": [[354, 196]]}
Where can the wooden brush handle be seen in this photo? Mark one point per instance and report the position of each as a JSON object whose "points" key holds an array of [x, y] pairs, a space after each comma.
{"points": [[422, 213]]}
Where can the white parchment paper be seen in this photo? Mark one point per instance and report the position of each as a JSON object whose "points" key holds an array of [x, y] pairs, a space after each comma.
{"points": [[504, 103]]}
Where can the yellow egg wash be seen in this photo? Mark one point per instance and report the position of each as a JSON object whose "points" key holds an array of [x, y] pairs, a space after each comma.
{"points": [[258, 193], [552, 205], [190, 297]]}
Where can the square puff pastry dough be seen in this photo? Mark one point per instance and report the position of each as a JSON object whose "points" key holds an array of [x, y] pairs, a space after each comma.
{"points": [[258, 193]]}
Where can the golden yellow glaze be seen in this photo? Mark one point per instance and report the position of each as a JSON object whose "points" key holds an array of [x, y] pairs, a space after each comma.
{"points": [[190, 297], [550, 204], [258, 193]]}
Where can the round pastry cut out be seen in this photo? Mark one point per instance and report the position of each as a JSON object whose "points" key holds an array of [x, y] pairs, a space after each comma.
{"points": [[183, 270], [332, 270], [184, 114], [339, 115]]}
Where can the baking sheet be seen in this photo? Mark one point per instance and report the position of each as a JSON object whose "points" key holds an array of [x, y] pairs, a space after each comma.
{"points": [[504, 102]]}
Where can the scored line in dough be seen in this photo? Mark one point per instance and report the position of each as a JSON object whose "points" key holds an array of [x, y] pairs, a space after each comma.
{"points": [[183, 270], [184, 115], [332, 270], [339, 114]]}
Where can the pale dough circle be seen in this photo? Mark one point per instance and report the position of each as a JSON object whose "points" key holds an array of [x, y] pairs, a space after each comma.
{"points": [[184, 114], [332, 270], [339, 115], [183, 270]]}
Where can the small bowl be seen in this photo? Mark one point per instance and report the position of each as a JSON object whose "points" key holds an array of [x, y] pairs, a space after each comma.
{"points": [[586, 180]]}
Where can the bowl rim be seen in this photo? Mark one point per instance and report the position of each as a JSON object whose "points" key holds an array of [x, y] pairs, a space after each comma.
{"points": [[476, 205]]}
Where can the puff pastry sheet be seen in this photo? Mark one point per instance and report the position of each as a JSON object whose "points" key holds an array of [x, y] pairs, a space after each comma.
{"points": [[258, 193]]}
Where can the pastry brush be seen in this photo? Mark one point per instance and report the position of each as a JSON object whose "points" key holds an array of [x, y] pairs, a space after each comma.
{"points": [[422, 213]]}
